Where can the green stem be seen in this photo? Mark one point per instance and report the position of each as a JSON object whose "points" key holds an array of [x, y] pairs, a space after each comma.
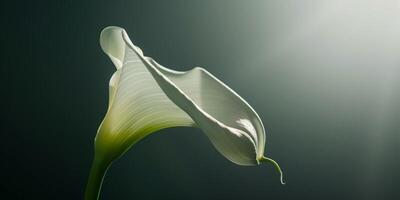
{"points": [[97, 172], [269, 160]]}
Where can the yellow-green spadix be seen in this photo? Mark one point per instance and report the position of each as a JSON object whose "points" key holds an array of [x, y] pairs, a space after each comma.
{"points": [[146, 97]]}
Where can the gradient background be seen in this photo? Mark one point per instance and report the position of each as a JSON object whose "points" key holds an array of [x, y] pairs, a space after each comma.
{"points": [[324, 76]]}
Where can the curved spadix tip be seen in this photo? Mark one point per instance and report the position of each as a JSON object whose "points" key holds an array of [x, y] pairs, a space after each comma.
{"points": [[276, 165]]}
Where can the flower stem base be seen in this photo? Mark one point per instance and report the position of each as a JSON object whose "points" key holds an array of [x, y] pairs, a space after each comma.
{"points": [[97, 172]]}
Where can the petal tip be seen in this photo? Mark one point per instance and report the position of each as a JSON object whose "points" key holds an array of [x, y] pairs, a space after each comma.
{"points": [[276, 165]]}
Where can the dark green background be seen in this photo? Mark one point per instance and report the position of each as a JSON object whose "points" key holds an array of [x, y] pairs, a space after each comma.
{"points": [[323, 75]]}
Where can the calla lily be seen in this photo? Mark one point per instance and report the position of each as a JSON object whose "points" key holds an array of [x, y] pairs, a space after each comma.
{"points": [[146, 97]]}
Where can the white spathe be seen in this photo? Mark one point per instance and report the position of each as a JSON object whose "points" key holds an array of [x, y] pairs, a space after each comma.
{"points": [[146, 97]]}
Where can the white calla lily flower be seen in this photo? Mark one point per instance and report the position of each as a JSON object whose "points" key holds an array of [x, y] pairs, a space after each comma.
{"points": [[146, 97]]}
